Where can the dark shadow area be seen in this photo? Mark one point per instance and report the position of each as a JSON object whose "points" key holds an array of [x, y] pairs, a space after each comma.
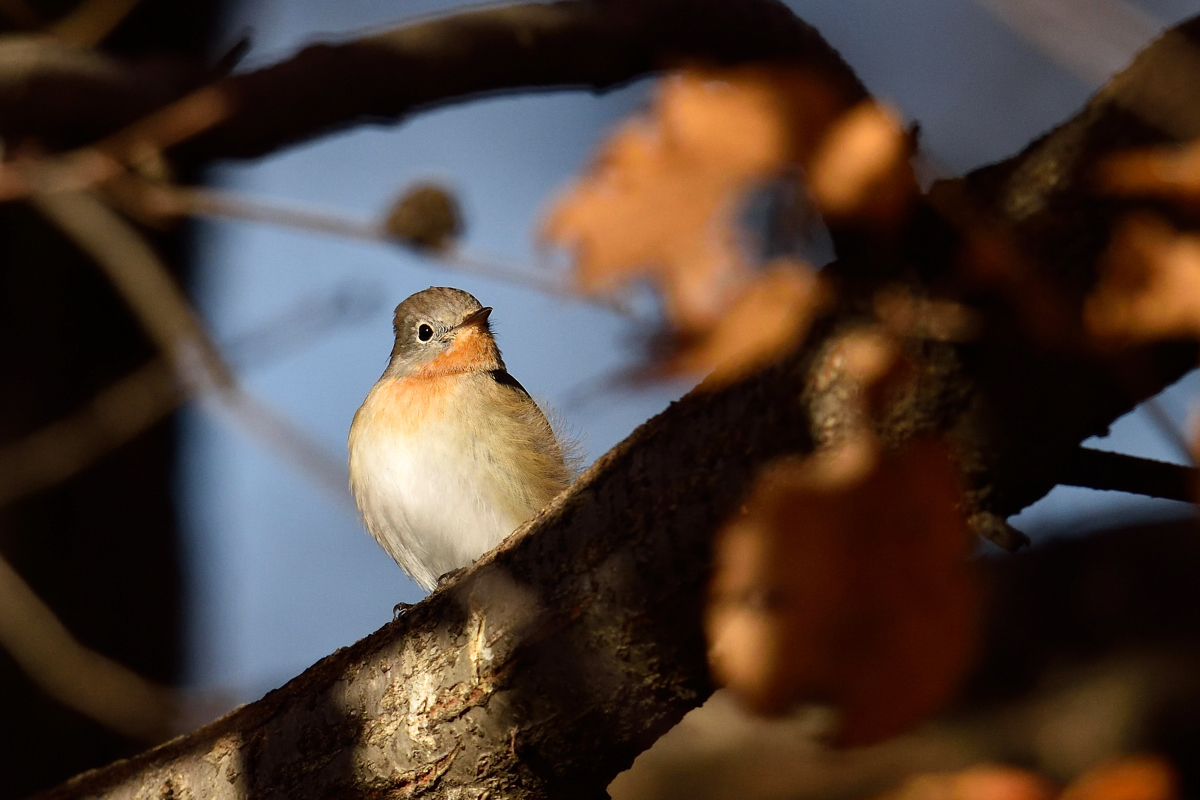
{"points": [[102, 549]]}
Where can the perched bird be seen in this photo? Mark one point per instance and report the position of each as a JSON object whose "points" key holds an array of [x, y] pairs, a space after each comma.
{"points": [[449, 454]]}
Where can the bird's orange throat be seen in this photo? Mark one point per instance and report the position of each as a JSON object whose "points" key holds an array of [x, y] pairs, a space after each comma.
{"points": [[403, 405], [473, 350]]}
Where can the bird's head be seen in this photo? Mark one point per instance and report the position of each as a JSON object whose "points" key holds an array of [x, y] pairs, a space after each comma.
{"points": [[440, 331]]}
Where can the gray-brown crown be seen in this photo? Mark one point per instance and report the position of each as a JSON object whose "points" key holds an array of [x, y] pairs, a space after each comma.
{"points": [[440, 308], [443, 304]]}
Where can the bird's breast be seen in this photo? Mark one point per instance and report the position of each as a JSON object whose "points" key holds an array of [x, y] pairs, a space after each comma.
{"points": [[434, 471]]}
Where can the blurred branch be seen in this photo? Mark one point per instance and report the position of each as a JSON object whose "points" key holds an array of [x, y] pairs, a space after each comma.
{"points": [[113, 417], [574, 44], [77, 677], [90, 22], [139, 145], [1169, 429], [156, 200], [304, 323], [121, 411], [145, 283], [578, 44], [142, 281]]}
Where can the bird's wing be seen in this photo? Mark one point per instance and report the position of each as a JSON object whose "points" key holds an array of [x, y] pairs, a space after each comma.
{"points": [[502, 377]]}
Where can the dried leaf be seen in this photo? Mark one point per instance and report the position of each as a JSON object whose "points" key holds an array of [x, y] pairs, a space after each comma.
{"points": [[1133, 778], [861, 168], [981, 782], [846, 578], [1171, 172], [767, 320], [1129, 778], [662, 198], [1149, 287]]}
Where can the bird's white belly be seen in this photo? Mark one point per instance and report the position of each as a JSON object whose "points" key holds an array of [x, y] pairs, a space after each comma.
{"points": [[434, 499]]}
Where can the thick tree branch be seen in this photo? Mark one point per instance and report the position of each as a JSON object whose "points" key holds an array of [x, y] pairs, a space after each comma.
{"points": [[573, 44], [60, 96]]}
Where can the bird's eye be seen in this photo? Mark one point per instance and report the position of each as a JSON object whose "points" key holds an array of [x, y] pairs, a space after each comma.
{"points": [[424, 333]]}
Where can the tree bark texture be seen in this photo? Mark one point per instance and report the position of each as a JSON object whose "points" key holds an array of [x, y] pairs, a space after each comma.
{"points": [[545, 668]]}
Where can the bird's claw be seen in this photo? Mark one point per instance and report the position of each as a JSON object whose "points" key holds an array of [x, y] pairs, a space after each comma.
{"points": [[399, 609], [446, 577]]}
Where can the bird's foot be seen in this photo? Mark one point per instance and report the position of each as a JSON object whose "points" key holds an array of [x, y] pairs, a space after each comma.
{"points": [[446, 577], [399, 609]]}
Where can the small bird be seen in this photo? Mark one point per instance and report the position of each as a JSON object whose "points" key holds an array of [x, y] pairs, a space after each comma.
{"points": [[449, 454]]}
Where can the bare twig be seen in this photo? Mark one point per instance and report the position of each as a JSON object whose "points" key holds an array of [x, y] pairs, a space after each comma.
{"points": [[142, 279], [1117, 472], [113, 417], [303, 323], [139, 145], [134, 403], [77, 677], [92, 21], [280, 435], [1168, 428], [155, 200]]}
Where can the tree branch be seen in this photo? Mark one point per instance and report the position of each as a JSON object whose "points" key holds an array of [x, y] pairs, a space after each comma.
{"points": [[573, 44], [64, 97], [1098, 469]]}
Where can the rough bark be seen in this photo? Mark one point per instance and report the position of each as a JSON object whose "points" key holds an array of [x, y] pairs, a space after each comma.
{"points": [[544, 669]]}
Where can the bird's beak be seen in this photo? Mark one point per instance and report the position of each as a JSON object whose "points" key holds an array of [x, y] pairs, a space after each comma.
{"points": [[476, 320]]}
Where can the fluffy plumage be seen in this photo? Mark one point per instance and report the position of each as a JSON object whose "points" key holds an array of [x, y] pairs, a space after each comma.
{"points": [[449, 454]]}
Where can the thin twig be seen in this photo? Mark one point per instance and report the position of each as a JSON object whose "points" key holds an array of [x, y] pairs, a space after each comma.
{"points": [[131, 405], [113, 417], [90, 22], [1117, 472], [140, 145], [145, 283], [142, 280], [1168, 428], [225, 205], [77, 677], [153, 201], [279, 434]]}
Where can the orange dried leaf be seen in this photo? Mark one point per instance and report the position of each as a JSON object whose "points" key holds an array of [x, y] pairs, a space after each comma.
{"points": [[662, 198], [1134, 778], [767, 320], [1149, 287], [846, 578], [981, 782], [1172, 172], [861, 168]]}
